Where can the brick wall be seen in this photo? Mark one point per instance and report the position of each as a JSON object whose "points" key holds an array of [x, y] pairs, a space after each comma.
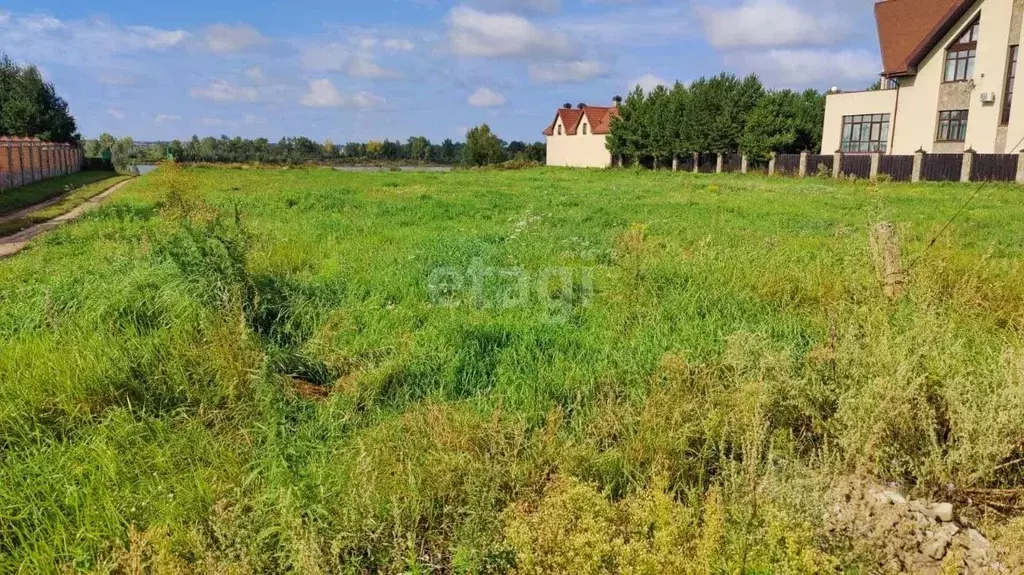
{"points": [[24, 161]]}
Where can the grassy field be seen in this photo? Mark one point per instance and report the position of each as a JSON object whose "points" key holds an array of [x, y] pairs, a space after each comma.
{"points": [[25, 196], [542, 371]]}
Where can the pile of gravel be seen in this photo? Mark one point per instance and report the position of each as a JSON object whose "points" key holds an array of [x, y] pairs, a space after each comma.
{"points": [[912, 536]]}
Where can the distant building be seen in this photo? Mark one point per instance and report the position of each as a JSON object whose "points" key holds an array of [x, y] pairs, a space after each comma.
{"points": [[577, 137], [950, 73]]}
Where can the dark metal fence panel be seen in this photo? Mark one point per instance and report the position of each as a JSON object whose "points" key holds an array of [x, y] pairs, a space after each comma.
{"points": [[994, 168], [898, 168], [686, 163], [818, 162], [732, 163], [942, 167], [857, 165], [787, 164], [707, 163]]}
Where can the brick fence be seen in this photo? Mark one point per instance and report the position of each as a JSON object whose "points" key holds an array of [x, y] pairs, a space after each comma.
{"points": [[27, 160]]}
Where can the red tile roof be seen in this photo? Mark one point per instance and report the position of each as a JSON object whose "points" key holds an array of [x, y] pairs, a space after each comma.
{"points": [[909, 29], [599, 118]]}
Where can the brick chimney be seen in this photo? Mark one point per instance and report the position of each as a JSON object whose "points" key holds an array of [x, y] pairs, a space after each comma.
{"points": [[616, 101]]}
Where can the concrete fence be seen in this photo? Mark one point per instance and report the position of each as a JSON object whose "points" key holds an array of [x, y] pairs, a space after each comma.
{"points": [[27, 160], [920, 167]]}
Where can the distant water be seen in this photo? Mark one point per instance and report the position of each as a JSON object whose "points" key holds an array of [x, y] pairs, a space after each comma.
{"points": [[388, 169], [144, 169]]}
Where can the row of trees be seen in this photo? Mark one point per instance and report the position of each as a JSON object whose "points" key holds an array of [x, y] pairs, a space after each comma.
{"points": [[30, 107], [482, 147], [720, 114]]}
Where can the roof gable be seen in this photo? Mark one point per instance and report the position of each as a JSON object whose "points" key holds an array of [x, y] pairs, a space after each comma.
{"points": [[909, 29], [599, 118]]}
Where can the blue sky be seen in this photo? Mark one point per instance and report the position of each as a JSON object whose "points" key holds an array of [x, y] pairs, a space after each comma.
{"points": [[349, 70]]}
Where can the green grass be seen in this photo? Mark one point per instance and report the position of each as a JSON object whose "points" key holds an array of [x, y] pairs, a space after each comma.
{"points": [[25, 196], [276, 370], [71, 201]]}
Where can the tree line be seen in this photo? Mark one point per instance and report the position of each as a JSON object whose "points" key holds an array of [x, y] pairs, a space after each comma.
{"points": [[30, 107], [482, 147], [722, 114]]}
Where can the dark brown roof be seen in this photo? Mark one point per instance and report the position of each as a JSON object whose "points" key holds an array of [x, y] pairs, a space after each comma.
{"points": [[600, 119], [909, 29]]}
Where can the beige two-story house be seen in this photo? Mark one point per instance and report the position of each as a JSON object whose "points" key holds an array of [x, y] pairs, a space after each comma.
{"points": [[950, 73], [577, 137]]}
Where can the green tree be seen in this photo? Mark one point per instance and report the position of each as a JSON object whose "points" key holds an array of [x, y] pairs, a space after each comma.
{"points": [[629, 129], [30, 107], [483, 148], [660, 125], [419, 149], [784, 122], [328, 149], [682, 139]]}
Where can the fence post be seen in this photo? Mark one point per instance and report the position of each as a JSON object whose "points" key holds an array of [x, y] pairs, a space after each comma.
{"points": [[837, 164], [21, 165], [745, 163], [10, 165], [803, 163], [1020, 168], [39, 161], [771, 165], [967, 168], [915, 175], [696, 162], [675, 162], [876, 162], [720, 163]]}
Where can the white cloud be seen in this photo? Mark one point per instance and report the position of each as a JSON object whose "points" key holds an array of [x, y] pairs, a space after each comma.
{"points": [[800, 68], [222, 91], [323, 94], [164, 119], [39, 23], [399, 45], [769, 23], [252, 120], [335, 57], [115, 113], [564, 72], [647, 82], [228, 39], [502, 35], [217, 122], [364, 67], [42, 38], [527, 5], [486, 98], [367, 100], [255, 73]]}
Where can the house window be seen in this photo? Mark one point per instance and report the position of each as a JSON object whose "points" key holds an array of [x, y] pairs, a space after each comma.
{"points": [[584, 129], [559, 129], [960, 56], [1011, 77], [952, 126], [866, 133]]}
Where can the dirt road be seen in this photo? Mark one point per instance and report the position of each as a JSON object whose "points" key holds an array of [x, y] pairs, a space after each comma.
{"points": [[11, 245]]}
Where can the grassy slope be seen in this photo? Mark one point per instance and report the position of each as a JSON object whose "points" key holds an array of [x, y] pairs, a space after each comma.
{"points": [[25, 196], [74, 199], [736, 335]]}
